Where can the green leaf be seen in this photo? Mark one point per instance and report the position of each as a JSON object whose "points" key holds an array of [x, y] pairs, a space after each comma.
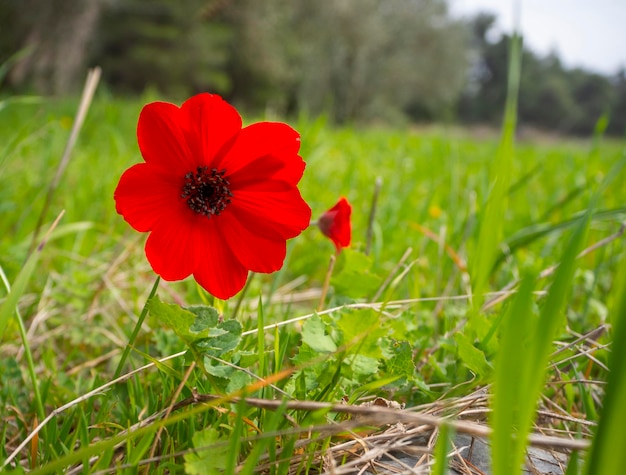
{"points": [[210, 456], [401, 363], [206, 318], [354, 278], [226, 338], [305, 355], [314, 336], [473, 358], [237, 381], [175, 317], [196, 326], [361, 365], [218, 370], [361, 331]]}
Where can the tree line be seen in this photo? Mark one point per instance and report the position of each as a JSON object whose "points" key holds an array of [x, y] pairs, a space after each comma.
{"points": [[354, 60]]}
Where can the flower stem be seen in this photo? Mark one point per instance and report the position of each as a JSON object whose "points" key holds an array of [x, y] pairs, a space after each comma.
{"points": [[370, 222], [133, 337], [329, 273]]}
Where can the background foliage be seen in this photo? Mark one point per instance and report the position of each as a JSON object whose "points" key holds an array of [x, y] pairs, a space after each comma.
{"points": [[355, 60]]}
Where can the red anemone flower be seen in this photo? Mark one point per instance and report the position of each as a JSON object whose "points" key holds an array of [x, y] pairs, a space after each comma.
{"points": [[218, 200], [335, 224]]}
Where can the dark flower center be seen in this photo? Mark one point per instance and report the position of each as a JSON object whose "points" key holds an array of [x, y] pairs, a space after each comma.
{"points": [[207, 191]]}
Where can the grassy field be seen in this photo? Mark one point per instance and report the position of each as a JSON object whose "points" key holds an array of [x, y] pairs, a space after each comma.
{"points": [[405, 323]]}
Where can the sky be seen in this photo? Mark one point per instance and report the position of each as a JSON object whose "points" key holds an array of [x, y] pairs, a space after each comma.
{"points": [[584, 33]]}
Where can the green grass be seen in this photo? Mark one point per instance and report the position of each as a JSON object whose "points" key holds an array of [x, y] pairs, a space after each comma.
{"points": [[81, 297]]}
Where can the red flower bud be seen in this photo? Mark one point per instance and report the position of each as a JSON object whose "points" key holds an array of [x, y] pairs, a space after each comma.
{"points": [[335, 224]]}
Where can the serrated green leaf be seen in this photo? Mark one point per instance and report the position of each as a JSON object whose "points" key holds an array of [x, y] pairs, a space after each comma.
{"points": [[304, 355], [473, 358], [227, 339], [198, 326], [206, 318], [218, 370], [362, 365], [313, 334], [401, 364], [175, 317], [210, 456]]}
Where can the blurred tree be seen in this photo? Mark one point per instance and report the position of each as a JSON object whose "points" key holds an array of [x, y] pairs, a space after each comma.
{"points": [[55, 33], [551, 97], [357, 59], [483, 97], [374, 60], [263, 53], [617, 125], [171, 45], [594, 95]]}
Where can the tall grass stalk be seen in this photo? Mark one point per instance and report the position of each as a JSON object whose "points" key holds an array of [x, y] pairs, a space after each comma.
{"points": [[607, 454], [523, 363], [492, 217], [91, 83]]}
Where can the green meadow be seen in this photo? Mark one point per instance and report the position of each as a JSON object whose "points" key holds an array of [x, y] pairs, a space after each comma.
{"points": [[491, 291]]}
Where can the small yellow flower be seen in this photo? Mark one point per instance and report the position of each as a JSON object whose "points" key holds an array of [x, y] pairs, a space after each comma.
{"points": [[66, 122], [434, 211]]}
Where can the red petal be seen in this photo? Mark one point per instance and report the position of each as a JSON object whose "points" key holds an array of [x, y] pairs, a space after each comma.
{"points": [[272, 141], [255, 252], [161, 139], [272, 215], [217, 269], [269, 173], [145, 194], [171, 247], [211, 125]]}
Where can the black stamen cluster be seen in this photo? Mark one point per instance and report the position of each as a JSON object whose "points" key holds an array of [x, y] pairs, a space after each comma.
{"points": [[207, 191]]}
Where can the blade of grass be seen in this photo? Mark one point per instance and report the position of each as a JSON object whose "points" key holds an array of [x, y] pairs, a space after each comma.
{"points": [[511, 378], [441, 450], [272, 424], [573, 465], [261, 338], [133, 336], [235, 439], [491, 222], [607, 452], [533, 361], [9, 308], [534, 232]]}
